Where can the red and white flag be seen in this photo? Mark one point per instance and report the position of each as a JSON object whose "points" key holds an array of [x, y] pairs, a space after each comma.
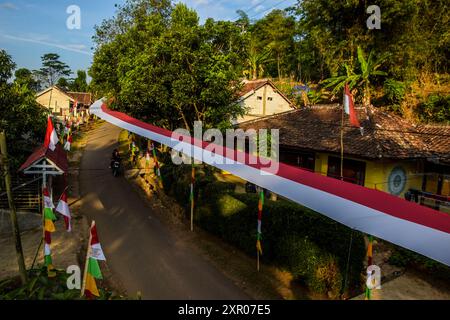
{"points": [[63, 208], [68, 143], [51, 138], [349, 107]]}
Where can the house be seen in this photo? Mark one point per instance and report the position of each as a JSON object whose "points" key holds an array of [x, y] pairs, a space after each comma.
{"points": [[390, 154], [61, 102], [262, 98]]}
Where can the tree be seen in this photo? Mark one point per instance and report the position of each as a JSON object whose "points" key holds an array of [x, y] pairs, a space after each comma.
{"points": [[172, 71], [79, 84], [20, 115], [362, 77], [52, 69], [256, 62]]}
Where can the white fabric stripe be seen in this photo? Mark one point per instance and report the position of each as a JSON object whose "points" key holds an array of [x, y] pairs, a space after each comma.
{"points": [[48, 203], [259, 226], [97, 252], [424, 240], [346, 104]]}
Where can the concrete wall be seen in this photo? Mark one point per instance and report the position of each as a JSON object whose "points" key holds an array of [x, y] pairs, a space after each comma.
{"points": [[59, 102]]}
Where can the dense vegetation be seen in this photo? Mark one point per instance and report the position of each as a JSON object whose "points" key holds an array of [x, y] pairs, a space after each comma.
{"points": [[155, 58], [312, 247]]}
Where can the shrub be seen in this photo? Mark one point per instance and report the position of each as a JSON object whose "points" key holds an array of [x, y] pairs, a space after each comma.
{"points": [[315, 267], [435, 109]]}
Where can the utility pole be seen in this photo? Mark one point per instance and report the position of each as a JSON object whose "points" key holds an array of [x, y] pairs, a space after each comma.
{"points": [[12, 209]]}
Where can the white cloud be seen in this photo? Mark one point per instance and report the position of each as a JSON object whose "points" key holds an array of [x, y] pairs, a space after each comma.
{"points": [[8, 6], [79, 48], [259, 9]]}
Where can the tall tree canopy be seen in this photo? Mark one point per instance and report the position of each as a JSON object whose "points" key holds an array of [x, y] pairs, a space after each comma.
{"points": [[52, 69], [170, 70], [20, 115]]}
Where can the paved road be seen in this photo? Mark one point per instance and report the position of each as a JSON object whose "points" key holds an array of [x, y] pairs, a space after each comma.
{"points": [[141, 251]]}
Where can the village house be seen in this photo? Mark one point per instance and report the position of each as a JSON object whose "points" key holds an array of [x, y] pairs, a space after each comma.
{"points": [[261, 98], [61, 102], [390, 154]]}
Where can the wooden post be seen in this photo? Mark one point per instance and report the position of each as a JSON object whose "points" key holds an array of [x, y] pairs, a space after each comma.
{"points": [[12, 210], [86, 264], [192, 194]]}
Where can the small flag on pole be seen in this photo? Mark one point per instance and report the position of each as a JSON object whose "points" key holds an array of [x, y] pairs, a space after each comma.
{"points": [[49, 227], [68, 143], [51, 138], [92, 269], [63, 208], [349, 107]]}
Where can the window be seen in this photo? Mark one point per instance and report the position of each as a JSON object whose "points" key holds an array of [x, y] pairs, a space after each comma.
{"points": [[354, 170], [258, 98], [269, 98], [304, 160]]}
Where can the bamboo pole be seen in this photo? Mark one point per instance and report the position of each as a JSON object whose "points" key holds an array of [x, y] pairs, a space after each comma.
{"points": [[12, 210], [342, 143], [86, 264], [192, 194]]}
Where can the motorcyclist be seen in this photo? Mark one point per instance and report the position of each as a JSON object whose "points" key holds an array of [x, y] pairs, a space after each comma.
{"points": [[115, 157]]}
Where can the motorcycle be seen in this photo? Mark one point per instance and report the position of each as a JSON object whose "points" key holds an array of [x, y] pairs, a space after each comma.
{"points": [[116, 168]]}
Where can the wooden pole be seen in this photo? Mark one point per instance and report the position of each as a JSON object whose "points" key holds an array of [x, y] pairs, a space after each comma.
{"points": [[12, 210], [257, 260], [192, 194], [86, 264]]}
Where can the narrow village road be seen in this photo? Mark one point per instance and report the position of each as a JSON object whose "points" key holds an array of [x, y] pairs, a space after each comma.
{"points": [[140, 250]]}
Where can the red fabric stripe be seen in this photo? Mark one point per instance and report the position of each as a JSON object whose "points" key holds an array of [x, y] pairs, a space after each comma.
{"points": [[370, 198], [94, 239]]}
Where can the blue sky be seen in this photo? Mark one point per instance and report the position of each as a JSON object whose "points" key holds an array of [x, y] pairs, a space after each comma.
{"points": [[31, 28]]}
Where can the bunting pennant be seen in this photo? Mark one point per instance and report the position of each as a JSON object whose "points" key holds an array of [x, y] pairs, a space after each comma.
{"points": [[258, 231], [63, 208], [68, 143], [49, 227], [93, 271]]}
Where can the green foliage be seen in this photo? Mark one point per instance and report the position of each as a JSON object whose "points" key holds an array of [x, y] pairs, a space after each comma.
{"points": [[436, 108], [405, 258], [20, 115], [79, 84], [318, 252], [317, 268], [26, 78], [394, 91]]}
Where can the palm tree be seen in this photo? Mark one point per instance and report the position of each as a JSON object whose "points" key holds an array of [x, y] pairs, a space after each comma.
{"points": [[362, 78], [256, 62]]}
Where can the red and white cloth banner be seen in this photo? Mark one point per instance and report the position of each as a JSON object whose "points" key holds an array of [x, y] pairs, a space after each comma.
{"points": [[374, 212], [68, 143], [349, 107]]}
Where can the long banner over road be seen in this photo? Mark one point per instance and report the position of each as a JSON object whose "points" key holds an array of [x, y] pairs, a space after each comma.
{"points": [[377, 213]]}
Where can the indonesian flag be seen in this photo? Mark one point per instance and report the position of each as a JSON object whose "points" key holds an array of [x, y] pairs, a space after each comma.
{"points": [[349, 107], [93, 269], [51, 138], [63, 208], [67, 127], [68, 143]]}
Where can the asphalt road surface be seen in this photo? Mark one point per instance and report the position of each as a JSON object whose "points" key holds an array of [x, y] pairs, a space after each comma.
{"points": [[140, 250]]}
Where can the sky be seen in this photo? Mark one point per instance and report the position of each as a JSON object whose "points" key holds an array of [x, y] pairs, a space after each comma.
{"points": [[31, 28]]}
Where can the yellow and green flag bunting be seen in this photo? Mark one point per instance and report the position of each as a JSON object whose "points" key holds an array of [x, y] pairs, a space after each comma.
{"points": [[93, 269], [49, 228], [258, 234], [368, 294]]}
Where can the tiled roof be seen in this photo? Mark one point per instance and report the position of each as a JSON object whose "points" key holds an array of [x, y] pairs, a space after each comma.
{"points": [[58, 157], [385, 136], [81, 97]]}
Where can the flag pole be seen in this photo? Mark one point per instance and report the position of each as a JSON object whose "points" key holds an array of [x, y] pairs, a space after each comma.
{"points": [[86, 264], [192, 194]]}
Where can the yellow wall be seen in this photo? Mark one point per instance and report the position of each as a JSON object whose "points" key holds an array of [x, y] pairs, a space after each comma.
{"points": [[377, 172]]}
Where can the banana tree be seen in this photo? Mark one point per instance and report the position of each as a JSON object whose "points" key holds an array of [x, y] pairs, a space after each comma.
{"points": [[362, 78], [256, 62]]}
